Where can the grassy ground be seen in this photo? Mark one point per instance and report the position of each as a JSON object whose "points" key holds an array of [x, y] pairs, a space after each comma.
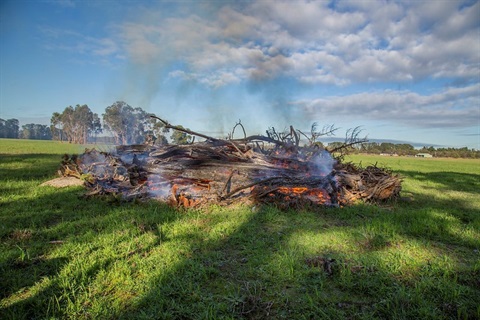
{"points": [[66, 257]]}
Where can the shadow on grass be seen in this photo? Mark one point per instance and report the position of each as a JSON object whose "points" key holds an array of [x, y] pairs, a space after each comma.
{"points": [[36, 268], [249, 273], [35, 283], [37, 222], [454, 194], [28, 166], [256, 272], [253, 273], [253, 269], [453, 181]]}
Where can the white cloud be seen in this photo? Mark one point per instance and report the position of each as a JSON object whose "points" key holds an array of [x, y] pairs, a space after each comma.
{"points": [[445, 18], [307, 20], [314, 42], [354, 43], [451, 107]]}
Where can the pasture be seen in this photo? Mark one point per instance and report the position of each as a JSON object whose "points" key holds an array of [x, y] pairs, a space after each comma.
{"points": [[64, 256]]}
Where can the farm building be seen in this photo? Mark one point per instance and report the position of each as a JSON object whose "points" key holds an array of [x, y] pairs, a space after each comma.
{"points": [[423, 155]]}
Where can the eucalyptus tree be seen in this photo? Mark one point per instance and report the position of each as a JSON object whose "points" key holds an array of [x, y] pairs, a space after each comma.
{"points": [[3, 129], [9, 128], [130, 125], [56, 126], [74, 124], [36, 132], [84, 121]]}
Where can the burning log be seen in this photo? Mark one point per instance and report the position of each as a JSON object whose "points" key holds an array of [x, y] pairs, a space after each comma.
{"points": [[230, 171]]}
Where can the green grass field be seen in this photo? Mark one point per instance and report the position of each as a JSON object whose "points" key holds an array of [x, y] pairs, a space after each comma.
{"points": [[66, 257]]}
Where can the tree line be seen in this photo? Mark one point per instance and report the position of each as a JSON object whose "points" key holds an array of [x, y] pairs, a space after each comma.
{"points": [[405, 149], [10, 129], [122, 124]]}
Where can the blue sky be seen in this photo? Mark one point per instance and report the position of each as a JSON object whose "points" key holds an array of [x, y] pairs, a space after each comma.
{"points": [[408, 71]]}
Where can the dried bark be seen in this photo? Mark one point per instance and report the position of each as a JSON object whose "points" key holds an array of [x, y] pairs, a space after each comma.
{"points": [[222, 172], [232, 170]]}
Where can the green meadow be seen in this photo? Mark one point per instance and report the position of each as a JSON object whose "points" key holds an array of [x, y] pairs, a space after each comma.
{"points": [[64, 256]]}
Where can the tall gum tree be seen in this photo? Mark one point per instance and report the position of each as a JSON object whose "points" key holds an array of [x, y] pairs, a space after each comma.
{"points": [[74, 124], [129, 125]]}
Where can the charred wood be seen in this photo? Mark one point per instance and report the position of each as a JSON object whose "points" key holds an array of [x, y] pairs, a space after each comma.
{"points": [[231, 171]]}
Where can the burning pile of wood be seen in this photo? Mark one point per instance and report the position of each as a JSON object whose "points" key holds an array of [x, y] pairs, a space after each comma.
{"points": [[258, 169]]}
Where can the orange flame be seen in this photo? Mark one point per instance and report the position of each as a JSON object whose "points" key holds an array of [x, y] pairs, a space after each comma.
{"points": [[294, 194]]}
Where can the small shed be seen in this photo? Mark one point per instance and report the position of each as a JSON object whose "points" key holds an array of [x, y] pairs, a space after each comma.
{"points": [[423, 155]]}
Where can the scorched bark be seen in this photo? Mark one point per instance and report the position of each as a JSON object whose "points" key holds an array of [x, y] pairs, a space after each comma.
{"points": [[218, 172]]}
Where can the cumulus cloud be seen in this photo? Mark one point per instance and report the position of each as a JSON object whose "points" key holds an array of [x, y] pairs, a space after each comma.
{"points": [[316, 42], [451, 107], [291, 61], [312, 43]]}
